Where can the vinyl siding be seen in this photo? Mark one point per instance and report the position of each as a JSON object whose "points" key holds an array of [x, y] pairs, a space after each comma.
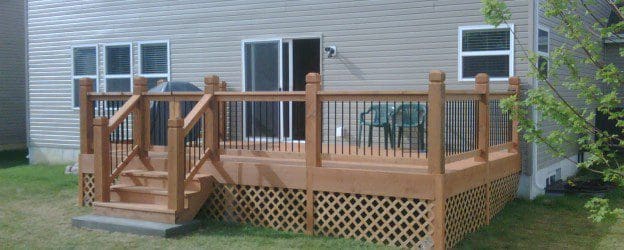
{"points": [[12, 74], [385, 45], [612, 54], [544, 158]]}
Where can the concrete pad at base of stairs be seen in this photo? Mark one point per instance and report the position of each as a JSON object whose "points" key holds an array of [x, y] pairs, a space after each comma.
{"points": [[140, 227]]}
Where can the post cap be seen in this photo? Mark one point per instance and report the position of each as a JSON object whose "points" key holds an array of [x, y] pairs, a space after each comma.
{"points": [[100, 121], [211, 80], [85, 81], [140, 81], [482, 78], [313, 78], [437, 76], [175, 122], [514, 80]]}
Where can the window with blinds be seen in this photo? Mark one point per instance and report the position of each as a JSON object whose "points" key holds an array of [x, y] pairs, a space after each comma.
{"points": [[84, 64], [154, 62], [543, 45], [485, 49], [118, 67]]}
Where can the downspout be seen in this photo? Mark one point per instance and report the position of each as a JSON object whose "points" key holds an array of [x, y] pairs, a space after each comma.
{"points": [[26, 79], [533, 23]]}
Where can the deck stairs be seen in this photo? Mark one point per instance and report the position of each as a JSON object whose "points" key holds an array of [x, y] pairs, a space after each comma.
{"points": [[140, 193]]}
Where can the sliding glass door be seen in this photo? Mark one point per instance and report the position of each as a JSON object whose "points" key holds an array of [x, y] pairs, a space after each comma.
{"points": [[262, 71]]}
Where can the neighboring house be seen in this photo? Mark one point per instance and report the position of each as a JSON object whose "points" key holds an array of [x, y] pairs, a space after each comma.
{"points": [[12, 75], [385, 45]]}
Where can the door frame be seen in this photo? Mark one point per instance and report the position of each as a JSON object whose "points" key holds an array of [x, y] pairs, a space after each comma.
{"points": [[289, 39]]}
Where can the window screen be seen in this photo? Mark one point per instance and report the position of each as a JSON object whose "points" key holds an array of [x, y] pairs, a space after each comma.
{"points": [[542, 41], [84, 65], [118, 68], [485, 51], [154, 63], [542, 51]]}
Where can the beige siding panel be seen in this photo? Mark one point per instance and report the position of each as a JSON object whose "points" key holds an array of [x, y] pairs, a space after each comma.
{"points": [[390, 45]]}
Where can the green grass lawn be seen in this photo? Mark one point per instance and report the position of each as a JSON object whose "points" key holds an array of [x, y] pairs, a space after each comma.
{"points": [[38, 202]]}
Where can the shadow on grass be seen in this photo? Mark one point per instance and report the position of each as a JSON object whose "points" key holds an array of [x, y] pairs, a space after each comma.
{"points": [[13, 158], [228, 229]]}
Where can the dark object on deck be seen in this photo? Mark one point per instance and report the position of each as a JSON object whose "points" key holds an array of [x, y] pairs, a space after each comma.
{"points": [[159, 110]]}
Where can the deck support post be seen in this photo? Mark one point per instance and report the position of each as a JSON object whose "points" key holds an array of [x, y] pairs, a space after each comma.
{"points": [[435, 153], [102, 163], [514, 86], [86, 134], [211, 117], [139, 119], [175, 164], [482, 87], [313, 126]]}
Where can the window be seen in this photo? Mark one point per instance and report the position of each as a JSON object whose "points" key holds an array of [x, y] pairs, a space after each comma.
{"points": [[84, 64], [543, 45], [485, 49], [154, 61], [118, 67]]}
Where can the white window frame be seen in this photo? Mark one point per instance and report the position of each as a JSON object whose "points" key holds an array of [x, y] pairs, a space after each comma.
{"points": [[152, 75], [540, 53], [77, 77], [461, 54], [118, 76]]}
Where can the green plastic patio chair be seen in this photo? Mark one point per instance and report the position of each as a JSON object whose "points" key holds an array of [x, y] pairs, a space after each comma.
{"points": [[380, 116], [409, 116]]}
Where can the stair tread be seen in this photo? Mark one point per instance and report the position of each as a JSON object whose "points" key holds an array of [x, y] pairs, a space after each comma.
{"points": [[146, 189], [135, 206], [154, 174]]}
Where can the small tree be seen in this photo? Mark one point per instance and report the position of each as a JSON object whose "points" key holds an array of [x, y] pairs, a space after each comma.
{"points": [[600, 91]]}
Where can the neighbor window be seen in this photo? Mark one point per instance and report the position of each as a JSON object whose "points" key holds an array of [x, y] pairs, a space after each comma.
{"points": [[118, 67], [485, 49], [84, 64], [154, 62], [542, 52]]}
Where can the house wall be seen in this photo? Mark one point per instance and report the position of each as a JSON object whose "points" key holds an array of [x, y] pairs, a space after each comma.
{"points": [[545, 164], [612, 54], [390, 45], [12, 75]]}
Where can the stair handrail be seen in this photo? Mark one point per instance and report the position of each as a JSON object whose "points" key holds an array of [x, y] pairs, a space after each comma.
{"points": [[190, 121]]}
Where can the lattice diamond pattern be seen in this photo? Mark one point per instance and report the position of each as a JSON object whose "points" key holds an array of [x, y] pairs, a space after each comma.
{"points": [[278, 208], [88, 184], [394, 221], [465, 212], [502, 191]]}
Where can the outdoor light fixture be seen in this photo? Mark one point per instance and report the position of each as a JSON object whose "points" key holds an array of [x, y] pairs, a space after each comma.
{"points": [[330, 51]]}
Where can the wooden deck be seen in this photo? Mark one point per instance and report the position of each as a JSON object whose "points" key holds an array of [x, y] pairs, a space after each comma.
{"points": [[427, 197]]}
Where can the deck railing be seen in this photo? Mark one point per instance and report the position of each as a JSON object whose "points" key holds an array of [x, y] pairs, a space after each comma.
{"points": [[429, 128]]}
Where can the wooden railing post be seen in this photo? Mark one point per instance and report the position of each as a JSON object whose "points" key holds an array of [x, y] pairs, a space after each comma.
{"points": [[211, 124], [139, 135], [482, 86], [86, 130], [435, 153], [313, 141], [436, 122], [86, 117], [514, 86], [175, 164], [102, 164]]}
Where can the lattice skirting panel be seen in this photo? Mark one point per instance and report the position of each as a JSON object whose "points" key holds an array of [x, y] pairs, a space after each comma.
{"points": [[503, 191], [88, 189], [278, 208], [465, 213], [401, 222]]}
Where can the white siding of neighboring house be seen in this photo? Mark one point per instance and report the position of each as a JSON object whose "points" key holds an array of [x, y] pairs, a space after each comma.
{"points": [[12, 75], [390, 45]]}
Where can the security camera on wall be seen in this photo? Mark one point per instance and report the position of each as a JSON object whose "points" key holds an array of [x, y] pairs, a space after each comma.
{"points": [[330, 51]]}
